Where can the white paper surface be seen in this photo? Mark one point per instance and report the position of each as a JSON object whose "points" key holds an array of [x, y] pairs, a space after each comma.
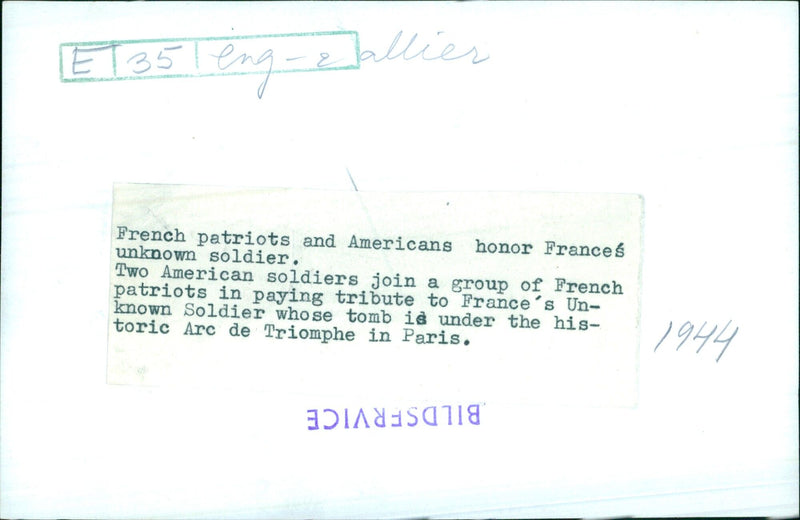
{"points": [[692, 106]]}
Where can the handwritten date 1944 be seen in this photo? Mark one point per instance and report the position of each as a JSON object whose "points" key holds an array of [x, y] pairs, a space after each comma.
{"points": [[686, 330]]}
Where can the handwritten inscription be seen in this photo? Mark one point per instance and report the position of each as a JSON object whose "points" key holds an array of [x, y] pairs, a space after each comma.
{"points": [[408, 48], [264, 55], [704, 333], [201, 57]]}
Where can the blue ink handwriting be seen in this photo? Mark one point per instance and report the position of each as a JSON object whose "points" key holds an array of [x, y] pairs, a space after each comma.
{"points": [[685, 332]]}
